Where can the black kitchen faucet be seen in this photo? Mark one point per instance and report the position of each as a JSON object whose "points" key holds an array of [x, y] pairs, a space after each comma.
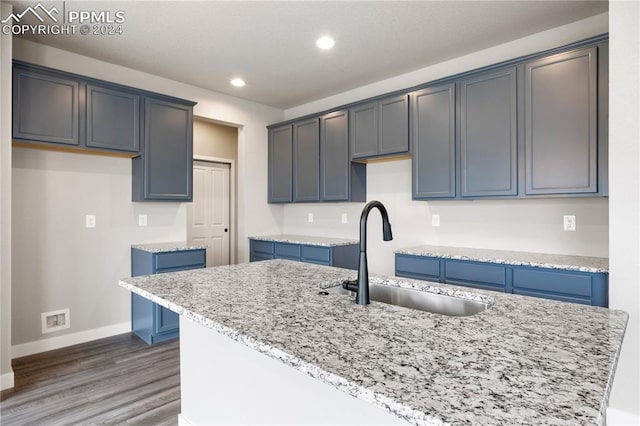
{"points": [[361, 285]]}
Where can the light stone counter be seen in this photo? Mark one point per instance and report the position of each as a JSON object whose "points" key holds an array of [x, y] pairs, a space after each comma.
{"points": [[520, 258], [167, 247], [306, 240], [522, 361]]}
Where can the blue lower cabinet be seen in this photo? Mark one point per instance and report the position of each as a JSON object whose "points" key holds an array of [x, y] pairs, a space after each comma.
{"points": [[149, 321], [345, 256], [557, 284]]}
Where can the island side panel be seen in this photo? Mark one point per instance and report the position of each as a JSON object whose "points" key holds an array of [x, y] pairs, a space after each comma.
{"points": [[226, 382]]}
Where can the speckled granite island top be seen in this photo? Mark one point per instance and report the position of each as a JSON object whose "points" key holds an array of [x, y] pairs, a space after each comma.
{"points": [[306, 239], [521, 258], [167, 247], [522, 361]]}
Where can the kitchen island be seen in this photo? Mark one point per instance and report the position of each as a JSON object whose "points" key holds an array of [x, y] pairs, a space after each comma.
{"points": [[522, 361]]}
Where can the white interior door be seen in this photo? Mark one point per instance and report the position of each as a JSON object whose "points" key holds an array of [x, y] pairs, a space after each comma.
{"points": [[208, 214]]}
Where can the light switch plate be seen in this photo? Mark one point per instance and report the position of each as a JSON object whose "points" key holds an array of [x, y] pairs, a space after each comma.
{"points": [[142, 220], [344, 218], [90, 221], [310, 217], [435, 220]]}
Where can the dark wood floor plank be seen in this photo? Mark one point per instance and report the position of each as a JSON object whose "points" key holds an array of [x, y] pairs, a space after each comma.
{"points": [[116, 380]]}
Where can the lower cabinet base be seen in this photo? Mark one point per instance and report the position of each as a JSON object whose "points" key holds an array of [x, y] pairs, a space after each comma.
{"points": [[151, 322], [587, 288]]}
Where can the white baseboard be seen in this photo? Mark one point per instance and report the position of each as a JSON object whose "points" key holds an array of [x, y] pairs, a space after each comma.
{"points": [[6, 381], [65, 340]]}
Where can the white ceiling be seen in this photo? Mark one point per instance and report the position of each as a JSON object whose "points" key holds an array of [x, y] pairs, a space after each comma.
{"points": [[272, 44]]}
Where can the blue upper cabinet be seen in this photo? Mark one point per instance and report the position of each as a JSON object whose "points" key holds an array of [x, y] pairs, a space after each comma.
{"points": [[306, 161], [113, 119], [488, 134], [280, 159], [379, 128], [164, 170], [561, 123], [341, 180], [45, 107], [433, 142]]}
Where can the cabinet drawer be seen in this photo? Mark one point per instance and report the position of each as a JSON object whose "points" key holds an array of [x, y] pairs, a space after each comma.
{"points": [[287, 251], [417, 266], [180, 259], [316, 254], [552, 281], [475, 274], [262, 246]]}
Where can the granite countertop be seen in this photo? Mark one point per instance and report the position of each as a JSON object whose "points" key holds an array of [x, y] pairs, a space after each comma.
{"points": [[507, 257], [523, 360], [307, 240], [167, 247]]}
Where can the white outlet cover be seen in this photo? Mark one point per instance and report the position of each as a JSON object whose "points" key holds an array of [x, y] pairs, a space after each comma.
{"points": [[435, 220], [569, 222], [310, 217], [90, 221], [344, 218], [142, 220]]}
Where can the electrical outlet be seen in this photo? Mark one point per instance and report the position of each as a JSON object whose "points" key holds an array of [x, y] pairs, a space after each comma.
{"points": [[90, 221], [310, 218], [142, 220], [569, 223], [344, 218], [435, 220]]}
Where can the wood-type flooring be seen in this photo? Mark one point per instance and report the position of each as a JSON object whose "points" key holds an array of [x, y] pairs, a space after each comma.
{"points": [[111, 381]]}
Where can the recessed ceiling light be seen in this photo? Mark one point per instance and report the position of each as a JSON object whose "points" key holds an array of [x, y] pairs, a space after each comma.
{"points": [[325, 43], [238, 82]]}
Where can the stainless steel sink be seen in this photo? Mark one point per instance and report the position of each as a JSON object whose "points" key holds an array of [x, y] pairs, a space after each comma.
{"points": [[420, 300]]}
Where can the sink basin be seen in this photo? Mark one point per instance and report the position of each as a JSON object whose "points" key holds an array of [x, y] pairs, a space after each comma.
{"points": [[420, 300]]}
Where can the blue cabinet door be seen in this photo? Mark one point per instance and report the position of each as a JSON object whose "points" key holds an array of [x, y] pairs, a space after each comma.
{"points": [[306, 161], [340, 179], [113, 119], [561, 119], [149, 321], [433, 143], [45, 107], [280, 163], [488, 134], [164, 170], [393, 123]]}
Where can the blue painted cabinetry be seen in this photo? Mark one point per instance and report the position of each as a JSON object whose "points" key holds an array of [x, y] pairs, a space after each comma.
{"points": [[342, 256], [380, 128], [112, 119], [164, 169], [46, 106], [589, 288], [308, 161], [150, 321]]}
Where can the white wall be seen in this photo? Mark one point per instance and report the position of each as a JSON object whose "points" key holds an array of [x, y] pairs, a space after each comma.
{"points": [[6, 372], [79, 268], [526, 225], [624, 202], [529, 225]]}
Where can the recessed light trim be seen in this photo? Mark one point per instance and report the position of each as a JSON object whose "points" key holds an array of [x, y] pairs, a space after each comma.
{"points": [[325, 43], [238, 82]]}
